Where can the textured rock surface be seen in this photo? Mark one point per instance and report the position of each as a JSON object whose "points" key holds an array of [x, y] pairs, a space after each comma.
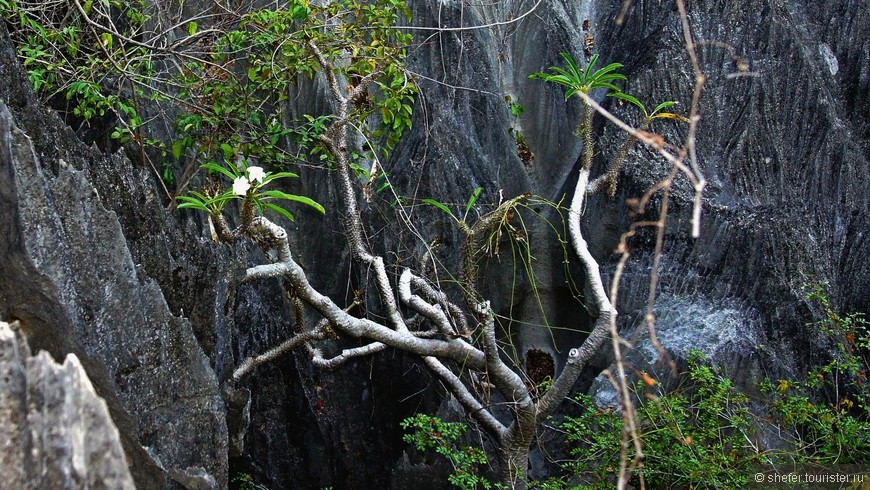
{"points": [[55, 432], [785, 150], [69, 277], [469, 140]]}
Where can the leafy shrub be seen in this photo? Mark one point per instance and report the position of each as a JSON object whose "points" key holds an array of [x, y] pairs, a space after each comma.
{"points": [[702, 435], [693, 437], [232, 80], [431, 433], [827, 417]]}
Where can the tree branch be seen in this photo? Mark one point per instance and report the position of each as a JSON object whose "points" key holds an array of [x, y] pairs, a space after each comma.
{"points": [[433, 313], [579, 357], [251, 363], [345, 355], [466, 398]]}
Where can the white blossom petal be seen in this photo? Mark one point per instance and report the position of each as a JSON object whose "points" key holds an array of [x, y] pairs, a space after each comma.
{"points": [[241, 186], [256, 174]]}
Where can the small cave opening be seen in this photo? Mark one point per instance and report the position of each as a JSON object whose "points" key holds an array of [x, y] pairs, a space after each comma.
{"points": [[540, 367]]}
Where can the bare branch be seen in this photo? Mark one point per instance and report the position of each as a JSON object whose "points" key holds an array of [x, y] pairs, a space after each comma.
{"points": [[456, 313], [331, 80], [577, 358], [251, 363], [466, 398], [433, 312], [471, 28], [333, 362], [504, 378]]}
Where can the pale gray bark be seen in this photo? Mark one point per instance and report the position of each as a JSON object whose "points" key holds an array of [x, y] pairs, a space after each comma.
{"points": [[452, 342]]}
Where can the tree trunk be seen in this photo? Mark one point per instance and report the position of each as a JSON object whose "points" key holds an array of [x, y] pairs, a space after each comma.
{"points": [[514, 450]]}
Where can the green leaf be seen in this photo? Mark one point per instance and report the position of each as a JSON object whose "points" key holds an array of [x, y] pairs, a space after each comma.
{"points": [[473, 199], [608, 86], [606, 78], [575, 72], [607, 69], [299, 12], [274, 194], [667, 103], [279, 175], [628, 98], [591, 64], [192, 28], [177, 148], [220, 169], [228, 151], [278, 209], [189, 202], [192, 205], [442, 207], [221, 200], [198, 199]]}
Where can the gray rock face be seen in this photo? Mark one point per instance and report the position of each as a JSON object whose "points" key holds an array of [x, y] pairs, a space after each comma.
{"points": [[784, 147], [55, 432], [69, 277]]}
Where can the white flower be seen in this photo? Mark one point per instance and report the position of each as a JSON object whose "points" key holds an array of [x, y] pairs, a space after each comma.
{"points": [[241, 186], [256, 174]]}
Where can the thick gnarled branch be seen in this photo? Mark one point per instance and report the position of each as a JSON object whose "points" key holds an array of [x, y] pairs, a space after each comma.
{"points": [[453, 342]]}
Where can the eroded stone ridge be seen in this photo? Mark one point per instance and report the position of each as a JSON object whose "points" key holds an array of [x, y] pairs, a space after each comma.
{"points": [[55, 432]]}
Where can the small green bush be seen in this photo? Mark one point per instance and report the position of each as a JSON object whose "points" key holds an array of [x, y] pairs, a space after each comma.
{"points": [[427, 433], [827, 418], [694, 437], [703, 434]]}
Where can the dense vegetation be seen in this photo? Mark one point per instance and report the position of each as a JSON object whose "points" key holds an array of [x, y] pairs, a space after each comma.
{"points": [[701, 431]]}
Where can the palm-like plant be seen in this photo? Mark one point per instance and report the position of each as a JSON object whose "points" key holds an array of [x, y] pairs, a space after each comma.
{"points": [[584, 81], [656, 112]]}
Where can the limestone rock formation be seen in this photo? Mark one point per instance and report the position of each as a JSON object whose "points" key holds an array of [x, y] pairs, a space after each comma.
{"points": [[55, 432], [784, 141], [68, 276], [94, 265]]}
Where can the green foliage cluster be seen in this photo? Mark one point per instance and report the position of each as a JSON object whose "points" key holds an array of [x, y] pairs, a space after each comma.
{"points": [[703, 434], [850, 334], [67, 57], [273, 48], [244, 481], [431, 433], [586, 80], [828, 416], [694, 437], [248, 183], [233, 78], [583, 82], [469, 205]]}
